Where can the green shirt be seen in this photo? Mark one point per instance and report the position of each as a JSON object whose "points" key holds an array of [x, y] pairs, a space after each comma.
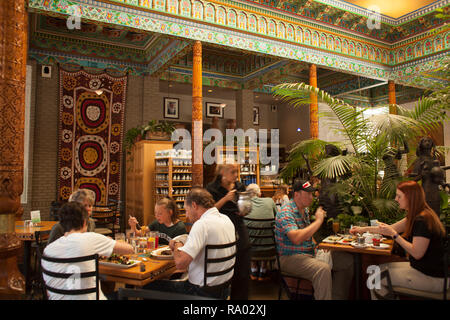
{"points": [[58, 230], [262, 208]]}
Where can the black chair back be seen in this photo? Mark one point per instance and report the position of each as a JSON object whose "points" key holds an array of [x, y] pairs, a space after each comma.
{"points": [[208, 260], [262, 236], [81, 275]]}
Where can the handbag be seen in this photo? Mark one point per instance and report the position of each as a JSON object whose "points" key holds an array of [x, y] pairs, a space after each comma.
{"points": [[325, 256]]}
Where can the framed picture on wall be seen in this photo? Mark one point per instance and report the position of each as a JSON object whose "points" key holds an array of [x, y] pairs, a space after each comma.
{"points": [[214, 110], [256, 115], [171, 108]]}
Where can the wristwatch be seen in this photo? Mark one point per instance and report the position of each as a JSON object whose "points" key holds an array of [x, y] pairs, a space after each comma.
{"points": [[395, 236]]}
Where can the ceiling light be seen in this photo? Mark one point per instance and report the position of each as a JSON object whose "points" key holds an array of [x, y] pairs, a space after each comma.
{"points": [[170, 85], [256, 97], [299, 130], [210, 90], [223, 105]]}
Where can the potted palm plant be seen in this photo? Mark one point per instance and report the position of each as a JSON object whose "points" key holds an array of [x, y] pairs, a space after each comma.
{"points": [[159, 130], [369, 139]]}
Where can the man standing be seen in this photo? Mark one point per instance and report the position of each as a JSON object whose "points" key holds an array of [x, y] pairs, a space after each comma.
{"points": [[210, 227], [293, 233]]}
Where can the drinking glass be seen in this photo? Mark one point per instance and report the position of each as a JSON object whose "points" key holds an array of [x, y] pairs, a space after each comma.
{"points": [[336, 227], [120, 236]]}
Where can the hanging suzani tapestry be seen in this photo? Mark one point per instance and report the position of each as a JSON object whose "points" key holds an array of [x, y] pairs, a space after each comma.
{"points": [[90, 134]]}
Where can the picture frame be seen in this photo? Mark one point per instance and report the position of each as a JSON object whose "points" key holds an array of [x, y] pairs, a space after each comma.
{"points": [[171, 108], [214, 110], [256, 116]]}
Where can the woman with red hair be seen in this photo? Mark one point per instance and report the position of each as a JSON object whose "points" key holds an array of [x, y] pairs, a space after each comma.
{"points": [[421, 234]]}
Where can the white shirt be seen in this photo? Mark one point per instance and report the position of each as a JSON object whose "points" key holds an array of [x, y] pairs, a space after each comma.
{"points": [[212, 228], [75, 245]]}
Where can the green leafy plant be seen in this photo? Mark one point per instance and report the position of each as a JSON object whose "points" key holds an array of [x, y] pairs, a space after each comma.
{"points": [[370, 139]]}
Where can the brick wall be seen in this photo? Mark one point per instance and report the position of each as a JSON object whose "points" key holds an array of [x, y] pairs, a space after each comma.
{"points": [[44, 141]]}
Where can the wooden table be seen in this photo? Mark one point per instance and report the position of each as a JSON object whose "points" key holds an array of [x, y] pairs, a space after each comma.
{"points": [[27, 235], [357, 252], [154, 269]]}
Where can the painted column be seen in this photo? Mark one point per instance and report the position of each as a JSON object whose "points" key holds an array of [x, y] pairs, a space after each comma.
{"points": [[391, 97], [13, 64], [197, 117], [313, 107]]}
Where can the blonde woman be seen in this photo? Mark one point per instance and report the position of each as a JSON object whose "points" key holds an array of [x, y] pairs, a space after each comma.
{"points": [[166, 214], [86, 198]]}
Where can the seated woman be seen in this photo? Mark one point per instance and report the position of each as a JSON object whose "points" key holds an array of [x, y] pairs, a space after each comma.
{"points": [[166, 214], [86, 198], [262, 208], [422, 237]]}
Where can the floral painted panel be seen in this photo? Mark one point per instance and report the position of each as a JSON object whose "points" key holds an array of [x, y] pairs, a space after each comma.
{"points": [[186, 8], [252, 22], [172, 6], [281, 31], [160, 5], [197, 11], [272, 28], [262, 25], [242, 20], [221, 15], [232, 18], [290, 32], [210, 13], [299, 34]]}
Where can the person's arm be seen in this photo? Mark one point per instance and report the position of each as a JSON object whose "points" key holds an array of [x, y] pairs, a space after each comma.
{"points": [[416, 249], [229, 197], [132, 221], [300, 235], [182, 259], [122, 248], [399, 227]]}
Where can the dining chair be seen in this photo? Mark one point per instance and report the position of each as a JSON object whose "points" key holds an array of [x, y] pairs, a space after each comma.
{"points": [[63, 275], [262, 237], [209, 261], [397, 291], [105, 217]]}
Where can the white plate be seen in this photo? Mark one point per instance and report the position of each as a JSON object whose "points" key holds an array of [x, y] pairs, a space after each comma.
{"points": [[347, 242], [381, 246], [182, 238], [359, 246], [330, 239], [118, 265], [156, 254]]}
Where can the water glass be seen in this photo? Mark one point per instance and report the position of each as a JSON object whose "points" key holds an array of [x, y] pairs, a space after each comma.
{"points": [[120, 236]]}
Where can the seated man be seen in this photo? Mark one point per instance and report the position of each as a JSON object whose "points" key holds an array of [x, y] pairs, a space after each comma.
{"points": [[84, 197], [293, 235], [262, 208], [209, 227], [76, 242]]}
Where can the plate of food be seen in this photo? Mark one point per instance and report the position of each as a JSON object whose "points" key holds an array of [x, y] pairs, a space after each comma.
{"points": [[118, 261], [331, 239], [381, 246], [163, 253], [359, 246], [347, 239]]}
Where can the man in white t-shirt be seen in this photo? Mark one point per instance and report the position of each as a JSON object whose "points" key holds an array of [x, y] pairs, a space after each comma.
{"points": [[76, 242], [209, 227]]}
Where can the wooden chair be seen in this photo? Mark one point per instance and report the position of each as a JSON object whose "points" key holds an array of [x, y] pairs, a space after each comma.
{"points": [[82, 275], [397, 291], [105, 217]]}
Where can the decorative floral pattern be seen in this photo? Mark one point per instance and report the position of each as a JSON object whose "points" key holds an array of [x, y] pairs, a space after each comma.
{"points": [[67, 136]]}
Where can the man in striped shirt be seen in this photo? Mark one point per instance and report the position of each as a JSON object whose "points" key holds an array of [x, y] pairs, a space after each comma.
{"points": [[293, 235]]}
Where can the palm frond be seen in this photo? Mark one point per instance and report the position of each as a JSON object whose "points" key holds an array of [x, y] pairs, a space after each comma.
{"points": [[334, 167]]}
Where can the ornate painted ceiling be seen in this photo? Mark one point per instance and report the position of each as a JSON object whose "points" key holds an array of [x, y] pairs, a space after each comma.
{"points": [[247, 44]]}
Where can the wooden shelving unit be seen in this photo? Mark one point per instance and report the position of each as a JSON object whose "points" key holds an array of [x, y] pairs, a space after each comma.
{"points": [[173, 178], [247, 158], [140, 179]]}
